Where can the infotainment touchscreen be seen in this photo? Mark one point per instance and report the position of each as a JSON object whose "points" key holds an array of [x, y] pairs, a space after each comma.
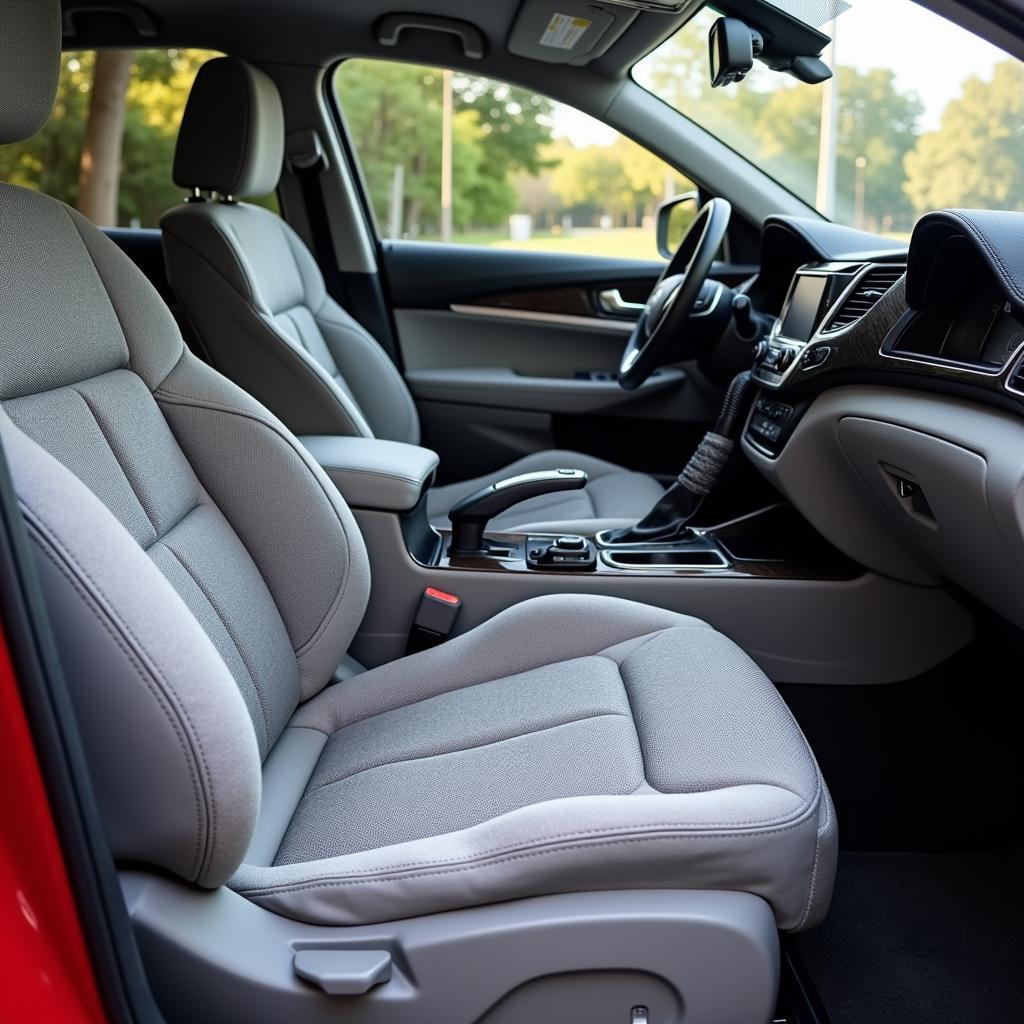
{"points": [[804, 307]]}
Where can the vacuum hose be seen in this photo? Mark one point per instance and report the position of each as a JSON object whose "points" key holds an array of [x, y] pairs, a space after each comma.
{"points": [[677, 506]]}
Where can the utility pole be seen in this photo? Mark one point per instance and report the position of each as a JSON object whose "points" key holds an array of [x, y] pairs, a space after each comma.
{"points": [[825, 198], [859, 188], [447, 114]]}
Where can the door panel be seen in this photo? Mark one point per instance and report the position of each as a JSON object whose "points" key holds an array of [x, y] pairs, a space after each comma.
{"points": [[509, 352], [432, 275], [538, 345]]}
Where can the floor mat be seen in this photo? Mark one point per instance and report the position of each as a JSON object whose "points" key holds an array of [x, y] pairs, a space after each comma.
{"points": [[922, 937]]}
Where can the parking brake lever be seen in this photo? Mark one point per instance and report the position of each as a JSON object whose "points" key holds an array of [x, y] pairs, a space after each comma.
{"points": [[470, 515]]}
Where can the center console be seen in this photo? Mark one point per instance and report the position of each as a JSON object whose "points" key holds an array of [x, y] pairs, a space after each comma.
{"points": [[774, 543], [816, 289], [767, 579]]}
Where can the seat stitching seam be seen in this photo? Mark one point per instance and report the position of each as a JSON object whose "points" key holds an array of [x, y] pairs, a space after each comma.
{"points": [[407, 402], [812, 885], [249, 294], [231, 634], [199, 403], [632, 716], [456, 689], [173, 712], [303, 358], [170, 529], [1008, 279], [477, 863], [369, 472], [797, 815], [102, 281], [99, 426], [463, 750], [494, 679], [648, 639]]}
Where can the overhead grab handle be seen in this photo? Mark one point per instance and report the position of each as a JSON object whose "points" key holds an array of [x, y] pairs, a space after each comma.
{"points": [[140, 19], [391, 27]]}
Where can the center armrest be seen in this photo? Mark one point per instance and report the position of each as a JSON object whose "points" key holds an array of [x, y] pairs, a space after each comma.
{"points": [[371, 473]]}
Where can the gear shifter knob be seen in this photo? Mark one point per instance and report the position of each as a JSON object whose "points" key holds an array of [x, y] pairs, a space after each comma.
{"points": [[470, 515]]}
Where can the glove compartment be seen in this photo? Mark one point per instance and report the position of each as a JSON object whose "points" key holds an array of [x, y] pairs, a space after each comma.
{"points": [[958, 506]]}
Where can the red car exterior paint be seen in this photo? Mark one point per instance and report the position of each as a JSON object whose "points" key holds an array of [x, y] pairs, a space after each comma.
{"points": [[46, 974]]}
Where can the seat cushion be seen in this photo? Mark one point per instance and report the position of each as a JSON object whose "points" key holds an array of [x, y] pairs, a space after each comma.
{"points": [[613, 496], [571, 743]]}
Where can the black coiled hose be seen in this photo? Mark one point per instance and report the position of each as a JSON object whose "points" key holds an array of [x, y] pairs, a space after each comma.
{"points": [[677, 506]]}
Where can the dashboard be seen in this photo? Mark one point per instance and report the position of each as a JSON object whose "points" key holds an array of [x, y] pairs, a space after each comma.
{"points": [[890, 407]]}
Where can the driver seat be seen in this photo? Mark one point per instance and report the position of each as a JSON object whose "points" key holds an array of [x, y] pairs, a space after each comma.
{"points": [[256, 298]]}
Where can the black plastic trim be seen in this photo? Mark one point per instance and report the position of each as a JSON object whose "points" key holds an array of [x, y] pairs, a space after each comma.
{"points": [[432, 275]]}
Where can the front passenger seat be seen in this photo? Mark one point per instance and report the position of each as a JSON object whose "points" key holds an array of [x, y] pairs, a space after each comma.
{"points": [[257, 299], [204, 580]]}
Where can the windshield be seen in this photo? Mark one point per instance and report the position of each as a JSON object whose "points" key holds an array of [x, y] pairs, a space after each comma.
{"points": [[920, 115]]}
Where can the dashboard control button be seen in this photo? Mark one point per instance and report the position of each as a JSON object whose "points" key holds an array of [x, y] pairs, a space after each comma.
{"points": [[814, 357], [571, 543]]}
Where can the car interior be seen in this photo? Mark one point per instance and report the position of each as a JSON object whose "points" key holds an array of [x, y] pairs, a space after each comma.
{"points": [[422, 630]]}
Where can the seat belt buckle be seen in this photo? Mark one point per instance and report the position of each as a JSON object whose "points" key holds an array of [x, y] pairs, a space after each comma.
{"points": [[434, 619]]}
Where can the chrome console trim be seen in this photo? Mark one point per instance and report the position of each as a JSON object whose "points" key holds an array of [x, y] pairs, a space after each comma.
{"points": [[608, 556]]}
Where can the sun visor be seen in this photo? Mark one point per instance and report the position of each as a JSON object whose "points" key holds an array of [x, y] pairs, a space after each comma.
{"points": [[566, 31]]}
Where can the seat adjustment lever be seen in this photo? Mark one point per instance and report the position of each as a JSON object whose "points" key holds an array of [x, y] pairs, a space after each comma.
{"points": [[344, 972]]}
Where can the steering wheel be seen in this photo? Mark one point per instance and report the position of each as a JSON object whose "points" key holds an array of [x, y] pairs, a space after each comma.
{"points": [[663, 319]]}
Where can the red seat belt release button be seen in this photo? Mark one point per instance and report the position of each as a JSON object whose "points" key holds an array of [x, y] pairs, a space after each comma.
{"points": [[434, 620]]}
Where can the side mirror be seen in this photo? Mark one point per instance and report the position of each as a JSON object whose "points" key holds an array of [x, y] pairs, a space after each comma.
{"points": [[673, 219]]}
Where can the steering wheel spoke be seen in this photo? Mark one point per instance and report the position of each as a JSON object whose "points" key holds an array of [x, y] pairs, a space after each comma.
{"points": [[672, 301]]}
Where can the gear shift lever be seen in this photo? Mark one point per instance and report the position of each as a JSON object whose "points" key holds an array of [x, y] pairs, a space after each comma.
{"points": [[667, 520], [470, 515]]}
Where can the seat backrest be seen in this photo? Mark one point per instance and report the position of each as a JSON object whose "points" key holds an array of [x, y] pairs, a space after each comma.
{"points": [[249, 284], [203, 574]]}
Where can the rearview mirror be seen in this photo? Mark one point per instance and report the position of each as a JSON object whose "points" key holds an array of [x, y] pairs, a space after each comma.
{"points": [[733, 47], [674, 218]]}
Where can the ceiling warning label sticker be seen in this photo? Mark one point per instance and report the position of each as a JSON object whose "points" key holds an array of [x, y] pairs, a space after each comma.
{"points": [[564, 32]]}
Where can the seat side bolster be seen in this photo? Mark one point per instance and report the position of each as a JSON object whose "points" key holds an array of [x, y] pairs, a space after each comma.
{"points": [[368, 371], [237, 328], [291, 518], [754, 838], [170, 744]]}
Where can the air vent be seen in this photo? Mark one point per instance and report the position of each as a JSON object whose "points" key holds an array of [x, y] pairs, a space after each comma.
{"points": [[1015, 382], [871, 287]]}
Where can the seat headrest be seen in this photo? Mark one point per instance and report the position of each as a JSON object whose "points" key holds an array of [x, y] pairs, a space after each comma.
{"points": [[232, 132], [29, 65]]}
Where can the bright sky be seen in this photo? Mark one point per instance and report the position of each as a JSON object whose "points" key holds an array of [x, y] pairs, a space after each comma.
{"points": [[930, 56]]}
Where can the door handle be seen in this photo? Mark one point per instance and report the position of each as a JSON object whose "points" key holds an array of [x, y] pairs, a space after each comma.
{"points": [[611, 301]]}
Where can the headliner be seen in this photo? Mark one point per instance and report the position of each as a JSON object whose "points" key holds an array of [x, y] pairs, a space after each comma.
{"points": [[321, 31]]}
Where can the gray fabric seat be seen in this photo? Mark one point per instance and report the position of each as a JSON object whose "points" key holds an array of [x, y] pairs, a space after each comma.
{"points": [[257, 299], [205, 579], [649, 753]]}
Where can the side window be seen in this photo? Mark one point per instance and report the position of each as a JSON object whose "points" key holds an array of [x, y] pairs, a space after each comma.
{"points": [[460, 158], [109, 145]]}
